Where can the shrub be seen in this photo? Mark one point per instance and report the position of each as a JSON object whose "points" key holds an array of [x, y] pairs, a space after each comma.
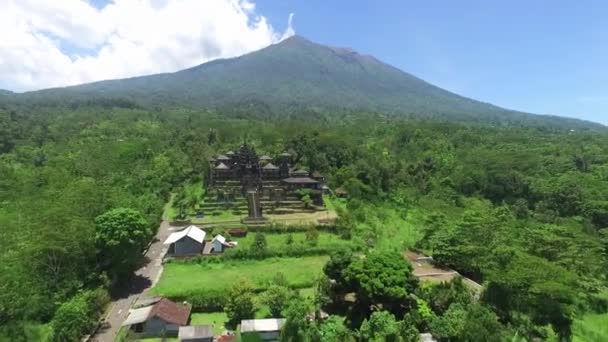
{"points": [[312, 236], [275, 227], [204, 301], [78, 316], [294, 250]]}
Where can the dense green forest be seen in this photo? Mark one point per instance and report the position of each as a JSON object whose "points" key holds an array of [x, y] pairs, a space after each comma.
{"points": [[523, 211]]}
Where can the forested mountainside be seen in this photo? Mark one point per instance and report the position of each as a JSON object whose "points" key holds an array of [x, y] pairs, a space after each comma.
{"points": [[523, 211], [296, 78]]}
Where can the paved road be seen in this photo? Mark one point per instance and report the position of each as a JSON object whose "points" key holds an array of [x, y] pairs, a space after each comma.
{"points": [[144, 278]]}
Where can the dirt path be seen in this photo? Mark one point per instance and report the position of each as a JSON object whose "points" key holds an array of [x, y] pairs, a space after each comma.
{"points": [[425, 270], [143, 279]]}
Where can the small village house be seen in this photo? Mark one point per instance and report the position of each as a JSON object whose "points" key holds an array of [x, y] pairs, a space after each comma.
{"points": [[188, 241], [262, 329], [219, 243], [161, 317]]}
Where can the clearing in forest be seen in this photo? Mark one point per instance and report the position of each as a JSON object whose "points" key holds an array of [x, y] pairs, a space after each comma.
{"points": [[183, 278]]}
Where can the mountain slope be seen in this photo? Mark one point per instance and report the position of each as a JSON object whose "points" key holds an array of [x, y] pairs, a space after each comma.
{"points": [[296, 74]]}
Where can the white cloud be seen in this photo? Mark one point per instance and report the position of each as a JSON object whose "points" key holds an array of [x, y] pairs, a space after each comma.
{"points": [[49, 43]]}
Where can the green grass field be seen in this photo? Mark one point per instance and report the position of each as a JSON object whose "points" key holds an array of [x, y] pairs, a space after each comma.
{"points": [[333, 203], [168, 211], [216, 319], [179, 279], [222, 216], [591, 328], [279, 240]]}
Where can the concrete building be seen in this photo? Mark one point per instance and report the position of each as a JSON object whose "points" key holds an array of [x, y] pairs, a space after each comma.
{"points": [[188, 241]]}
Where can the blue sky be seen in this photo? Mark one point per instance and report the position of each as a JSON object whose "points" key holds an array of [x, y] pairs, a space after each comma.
{"points": [[536, 56]]}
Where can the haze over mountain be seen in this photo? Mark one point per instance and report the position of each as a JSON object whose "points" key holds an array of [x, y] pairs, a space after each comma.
{"points": [[298, 76]]}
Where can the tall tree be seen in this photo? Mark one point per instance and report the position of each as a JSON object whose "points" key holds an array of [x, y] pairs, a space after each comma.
{"points": [[383, 279], [121, 234], [297, 327], [241, 302]]}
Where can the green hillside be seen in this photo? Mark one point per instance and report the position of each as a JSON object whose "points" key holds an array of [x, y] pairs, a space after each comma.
{"points": [[296, 78]]}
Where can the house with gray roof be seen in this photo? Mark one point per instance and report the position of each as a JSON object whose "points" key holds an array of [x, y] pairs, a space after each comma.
{"points": [[186, 242], [158, 319], [196, 333], [268, 329]]}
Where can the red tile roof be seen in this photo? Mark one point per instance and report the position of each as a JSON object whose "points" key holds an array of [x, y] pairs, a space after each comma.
{"points": [[171, 312], [226, 338]]}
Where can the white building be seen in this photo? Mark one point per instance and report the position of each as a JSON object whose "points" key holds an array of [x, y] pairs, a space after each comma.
{"points": [[267, 329], [188, 241], [219, 244]]}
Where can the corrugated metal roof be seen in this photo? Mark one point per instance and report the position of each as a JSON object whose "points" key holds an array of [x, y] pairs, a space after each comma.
{"points": [[138, 315], [195, 331], [262, 325], [192, 232], [220, 238]]}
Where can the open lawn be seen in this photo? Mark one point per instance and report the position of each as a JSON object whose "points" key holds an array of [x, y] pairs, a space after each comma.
{"points": [[179, 278], [169, 212], [394, 228], [591, 328], [216, 319], [222, 216], [334, 203]]}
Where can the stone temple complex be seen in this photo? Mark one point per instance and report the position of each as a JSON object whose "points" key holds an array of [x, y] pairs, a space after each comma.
{"points": [[265, 183]]}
